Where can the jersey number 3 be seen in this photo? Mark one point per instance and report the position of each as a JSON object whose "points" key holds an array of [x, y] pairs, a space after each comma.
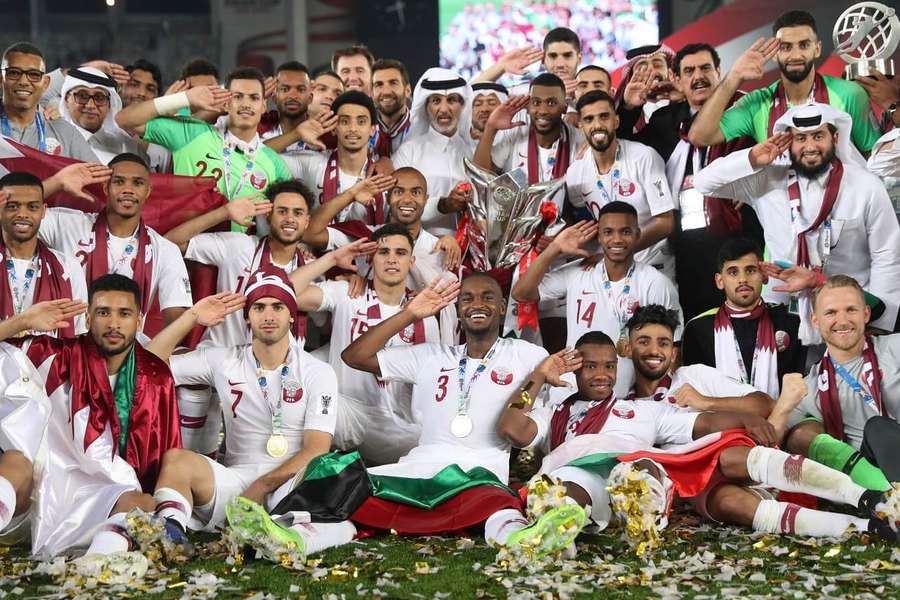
{"points": [[442, 382]]}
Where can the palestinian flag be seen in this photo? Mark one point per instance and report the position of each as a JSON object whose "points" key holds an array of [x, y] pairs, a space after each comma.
{"points": [[174, 199], [690, 467], [338, 487]]}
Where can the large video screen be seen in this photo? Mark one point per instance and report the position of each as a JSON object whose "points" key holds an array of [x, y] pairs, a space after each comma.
{"points": [[475, 33]]}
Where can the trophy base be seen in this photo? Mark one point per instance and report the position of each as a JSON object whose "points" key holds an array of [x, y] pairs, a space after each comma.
{"points": [[864, 68]]}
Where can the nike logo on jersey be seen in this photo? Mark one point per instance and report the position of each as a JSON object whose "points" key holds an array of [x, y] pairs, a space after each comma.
{"points": [[230, 382], [211, 157], [587, 293], [443, 370]]}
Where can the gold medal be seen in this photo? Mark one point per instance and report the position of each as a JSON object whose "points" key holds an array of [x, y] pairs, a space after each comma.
{"points": [[621, 346], [277, 445]]}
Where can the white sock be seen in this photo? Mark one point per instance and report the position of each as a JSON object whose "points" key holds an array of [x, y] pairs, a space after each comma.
{"points": [[794, 473], [170, 504], [111, 537], [785, 517], [7, 502], [502, 524], [319, 536]]}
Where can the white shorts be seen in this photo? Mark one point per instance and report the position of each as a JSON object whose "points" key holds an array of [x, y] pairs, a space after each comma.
{"points": [[380, 436], [229, 483]]}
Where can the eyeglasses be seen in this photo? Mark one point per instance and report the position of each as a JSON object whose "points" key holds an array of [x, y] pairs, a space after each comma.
{"points": [[14, 74], [82, 98]]}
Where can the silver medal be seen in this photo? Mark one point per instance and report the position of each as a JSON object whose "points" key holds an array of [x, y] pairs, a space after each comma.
{"points": [[461, 426]]}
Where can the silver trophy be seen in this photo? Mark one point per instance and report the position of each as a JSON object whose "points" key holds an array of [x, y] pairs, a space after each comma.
{"points": [[865, 37], [503, 215]]}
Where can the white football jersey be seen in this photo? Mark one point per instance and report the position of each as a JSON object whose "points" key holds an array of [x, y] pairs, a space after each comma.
{"points": [[638, 177], [309, 166], [590, 307], [432, 369], [71, 232], [349, 321], [232, 254], [309, 401]]}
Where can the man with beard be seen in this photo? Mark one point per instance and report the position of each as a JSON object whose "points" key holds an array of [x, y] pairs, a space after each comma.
{"points": [[334, 173], [118, 241], [795, 48], [542, 148], [232, 153], [391, 92], [437, 143], [459, 393], [282, 414], [847, 417], [114, 415], [406, 199], [597, 440], [293, 94], [354, 66], [24, 83], [144, 82], [604, 296], [376, 415], [623, 170], [651, 66], [704, 222], [819, 211], [745, 338], [34, 272], [486, 97]]}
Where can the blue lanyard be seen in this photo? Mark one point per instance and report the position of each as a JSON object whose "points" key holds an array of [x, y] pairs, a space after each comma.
{"points": [[264, 388], [462, 406], [621, 317], [38, 123], [616, 175], [854, 383], [19, 301]]}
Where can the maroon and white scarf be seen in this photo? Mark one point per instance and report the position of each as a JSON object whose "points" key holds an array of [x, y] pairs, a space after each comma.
{"points": [[830, 401], [262, 262], [661, 393], [331, 182], [561, 161], [51, 282], [780, 101], [763, 373], [589, 421], [414, 334], [142, 263], [832, 188], [385, 136]]}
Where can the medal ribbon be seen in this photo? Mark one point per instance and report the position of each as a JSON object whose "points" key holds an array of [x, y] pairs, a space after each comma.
{"points": [[38, 123], [621, 316], [462, 404], [19, 297], [229, 147], [264, 388]]}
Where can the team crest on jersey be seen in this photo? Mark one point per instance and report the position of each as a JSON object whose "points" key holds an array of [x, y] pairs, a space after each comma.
{"points": [[408, 334], [624, 413], [501, 376], [54, 146], [782, 340], [258, 180], [325, 403], [292, 391], [626, 187]]}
